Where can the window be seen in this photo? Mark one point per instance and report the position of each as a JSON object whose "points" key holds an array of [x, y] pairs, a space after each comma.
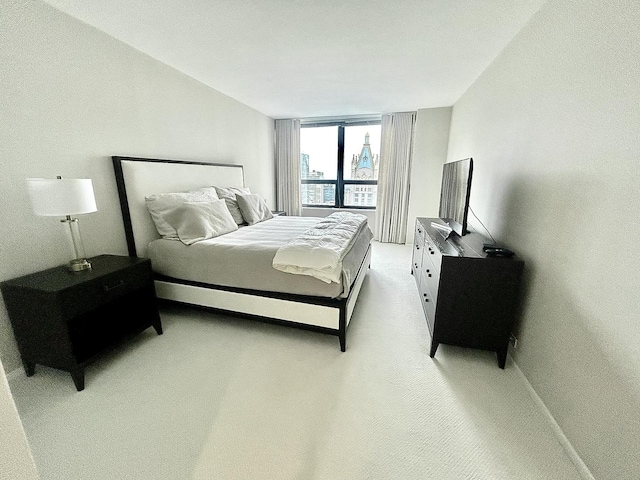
{"points": [[339, 164]]}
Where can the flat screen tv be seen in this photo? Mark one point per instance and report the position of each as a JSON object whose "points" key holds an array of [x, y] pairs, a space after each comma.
{"points": [[454, 194]]}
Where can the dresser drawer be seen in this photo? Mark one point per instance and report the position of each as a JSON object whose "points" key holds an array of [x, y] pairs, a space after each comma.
{"points": [[418, 249], [416, 259], [428, 302], [430, 276], [104, 289], [419, 234], [432, 256], [433, 253]]}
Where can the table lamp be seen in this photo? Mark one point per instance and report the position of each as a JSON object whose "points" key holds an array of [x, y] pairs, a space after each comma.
{"points": [[65, 197]]}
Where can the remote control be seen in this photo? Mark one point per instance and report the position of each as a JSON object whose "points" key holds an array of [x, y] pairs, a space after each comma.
{"points": [[497, 251]]}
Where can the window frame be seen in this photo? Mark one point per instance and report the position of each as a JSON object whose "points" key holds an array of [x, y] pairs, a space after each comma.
{"points": [[340, 182]]}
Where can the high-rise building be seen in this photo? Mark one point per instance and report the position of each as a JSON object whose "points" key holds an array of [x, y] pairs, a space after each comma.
{"points": [[311, 194], [363, 167], [304, 165]]}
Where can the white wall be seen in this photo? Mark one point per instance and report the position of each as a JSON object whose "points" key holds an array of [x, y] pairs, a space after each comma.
{"points": [[71, 97], [429, 154], [554, 128], [15, 456]]}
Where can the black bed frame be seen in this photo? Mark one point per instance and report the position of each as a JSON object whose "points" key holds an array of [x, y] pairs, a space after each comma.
{"points": [[338, 303]]}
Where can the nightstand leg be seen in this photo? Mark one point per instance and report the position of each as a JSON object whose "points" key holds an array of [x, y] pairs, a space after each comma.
{"points": [[78, 378], [502, 357], [29, 367]]}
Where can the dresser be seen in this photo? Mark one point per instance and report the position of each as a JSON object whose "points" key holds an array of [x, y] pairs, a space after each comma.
{"points": [[469, 299], [64, 319]]}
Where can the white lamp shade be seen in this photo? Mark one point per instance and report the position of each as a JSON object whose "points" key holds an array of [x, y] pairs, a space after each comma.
{"points": [[61, 196]]}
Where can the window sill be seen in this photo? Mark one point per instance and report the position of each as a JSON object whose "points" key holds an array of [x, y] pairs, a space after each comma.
{"points": [[337, 209]]}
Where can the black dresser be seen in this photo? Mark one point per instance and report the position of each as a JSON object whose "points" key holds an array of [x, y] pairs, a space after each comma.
{"points": [[469, 299]]}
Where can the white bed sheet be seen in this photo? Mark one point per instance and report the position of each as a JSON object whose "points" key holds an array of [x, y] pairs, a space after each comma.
{"points": [[243, 259]]}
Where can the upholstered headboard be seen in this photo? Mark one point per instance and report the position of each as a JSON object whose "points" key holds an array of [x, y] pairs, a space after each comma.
{"points": [[138, 177]]}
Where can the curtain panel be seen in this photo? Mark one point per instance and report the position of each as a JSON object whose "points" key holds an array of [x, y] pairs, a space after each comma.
{"points": [[287, 144], [396, 153]]}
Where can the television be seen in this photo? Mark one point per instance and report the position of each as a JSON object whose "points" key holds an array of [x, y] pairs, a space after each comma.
{"points": [[454, 196]]}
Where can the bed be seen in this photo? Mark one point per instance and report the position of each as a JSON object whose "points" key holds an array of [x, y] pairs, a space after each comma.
{"points": [[234, 272]]}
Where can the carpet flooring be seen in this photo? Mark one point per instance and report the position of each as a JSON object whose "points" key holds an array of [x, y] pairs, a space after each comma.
{"points": [[218, 397]]}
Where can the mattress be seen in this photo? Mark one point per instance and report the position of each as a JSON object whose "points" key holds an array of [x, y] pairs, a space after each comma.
{"points": [[243, 259]]}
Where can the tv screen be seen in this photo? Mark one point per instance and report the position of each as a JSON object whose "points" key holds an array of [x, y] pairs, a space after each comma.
{"points": [[454, 194]]}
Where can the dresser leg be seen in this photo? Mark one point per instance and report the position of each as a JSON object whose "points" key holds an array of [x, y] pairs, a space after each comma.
{"points": [[78, 378], [29, 367], [434, 347], [502, 357]]}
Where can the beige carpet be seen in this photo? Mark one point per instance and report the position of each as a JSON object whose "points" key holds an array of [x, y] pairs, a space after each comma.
{"points": [[218, 397]]}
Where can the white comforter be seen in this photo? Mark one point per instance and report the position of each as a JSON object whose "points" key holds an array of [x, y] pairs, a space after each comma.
{"points": [[319, 251]]}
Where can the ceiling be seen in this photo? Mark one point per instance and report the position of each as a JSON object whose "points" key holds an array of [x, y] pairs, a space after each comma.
{"points": [[317, 58]]}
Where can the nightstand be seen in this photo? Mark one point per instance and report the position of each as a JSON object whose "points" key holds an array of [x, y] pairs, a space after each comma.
{"points": [[64, 319]]}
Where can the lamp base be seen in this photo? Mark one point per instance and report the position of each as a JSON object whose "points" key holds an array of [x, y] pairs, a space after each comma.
{"points": [[78, 265]]}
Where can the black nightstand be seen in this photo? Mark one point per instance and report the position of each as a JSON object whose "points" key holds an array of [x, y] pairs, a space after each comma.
{"points": [[64, 319]]}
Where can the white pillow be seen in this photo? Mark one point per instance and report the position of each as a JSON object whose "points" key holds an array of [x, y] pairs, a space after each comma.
{"points": [[253, 207], [229, 196], [159, 204], [196, 221]]}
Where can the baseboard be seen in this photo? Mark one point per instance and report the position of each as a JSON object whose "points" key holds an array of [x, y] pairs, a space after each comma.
{"points": [[562, 438]]}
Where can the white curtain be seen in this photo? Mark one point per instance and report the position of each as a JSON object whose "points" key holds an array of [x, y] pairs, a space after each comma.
{"points": [[396, 152], [288, 166]]}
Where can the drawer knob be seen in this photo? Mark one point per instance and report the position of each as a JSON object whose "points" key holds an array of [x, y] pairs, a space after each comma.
{"points": [[108, 288]]}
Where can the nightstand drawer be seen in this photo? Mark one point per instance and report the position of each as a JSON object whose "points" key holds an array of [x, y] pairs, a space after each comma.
{"points": [[104, 289]]}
